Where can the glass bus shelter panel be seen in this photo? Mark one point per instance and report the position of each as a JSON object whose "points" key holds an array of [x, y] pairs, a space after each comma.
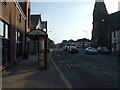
{"points": [[41, 53]]}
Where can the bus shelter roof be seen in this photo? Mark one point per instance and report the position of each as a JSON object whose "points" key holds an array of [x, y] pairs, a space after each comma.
{"points": [[36, 34]]}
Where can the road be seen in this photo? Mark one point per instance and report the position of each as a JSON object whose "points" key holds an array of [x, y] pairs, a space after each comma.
{"points": [[88, 71]]}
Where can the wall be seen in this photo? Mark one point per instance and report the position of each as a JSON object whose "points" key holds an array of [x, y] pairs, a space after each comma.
{"points": [[116, 39]]}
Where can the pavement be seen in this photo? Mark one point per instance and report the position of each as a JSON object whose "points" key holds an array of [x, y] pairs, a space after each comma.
{"points": [[25, 74]]}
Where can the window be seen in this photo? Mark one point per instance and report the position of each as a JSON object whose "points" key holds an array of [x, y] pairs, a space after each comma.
{"points": [[1, 28], [6, 31], [20, 18]]}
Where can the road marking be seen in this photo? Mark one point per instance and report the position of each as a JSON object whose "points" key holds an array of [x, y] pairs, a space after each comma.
{"points": [[93, 67], [77, 65], [61, 73], [65, 61], [71, 64], [65, 66], [85, 63], [106, 72], [68, 65]]}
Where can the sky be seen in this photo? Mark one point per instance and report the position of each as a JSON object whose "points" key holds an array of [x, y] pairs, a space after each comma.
{"points": [[67, 19]]}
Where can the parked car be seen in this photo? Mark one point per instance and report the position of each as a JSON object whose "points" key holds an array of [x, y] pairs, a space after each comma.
{"points": [[73, 49], [103, 50], [91, 50], [68, 48], [65, 48]]}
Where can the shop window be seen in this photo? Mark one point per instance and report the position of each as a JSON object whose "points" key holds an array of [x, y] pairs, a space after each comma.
{"points": [[5, 49]]}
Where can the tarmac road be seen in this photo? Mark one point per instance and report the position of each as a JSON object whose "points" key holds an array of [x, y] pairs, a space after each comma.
{"points": [[88, 71]]}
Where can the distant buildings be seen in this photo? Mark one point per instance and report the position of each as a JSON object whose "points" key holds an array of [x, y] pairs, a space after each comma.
{"points": [[83, 43], [106, 27], [80, 43]]}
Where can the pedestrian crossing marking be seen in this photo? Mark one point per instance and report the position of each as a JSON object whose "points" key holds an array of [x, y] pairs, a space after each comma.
{"points": [[72, 65]]}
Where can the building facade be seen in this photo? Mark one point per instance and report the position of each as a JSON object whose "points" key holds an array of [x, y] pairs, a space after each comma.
{"points": [[26, 9], [12, 29], [114, 28], [106, 27], [83, 43], [100, 25]]}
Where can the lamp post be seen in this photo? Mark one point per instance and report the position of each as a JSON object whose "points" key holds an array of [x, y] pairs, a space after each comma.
{"points": [[85, 32]]}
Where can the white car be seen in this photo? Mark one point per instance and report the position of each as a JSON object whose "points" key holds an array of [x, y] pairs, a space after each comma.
{"points": [[91, 50], [103, 50]]}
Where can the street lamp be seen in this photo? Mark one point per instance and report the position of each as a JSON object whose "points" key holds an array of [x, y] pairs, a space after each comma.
{"points": [[85, 32], [103, 20]]}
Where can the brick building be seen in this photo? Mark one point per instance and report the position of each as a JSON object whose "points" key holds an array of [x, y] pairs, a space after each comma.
{"points": [[14, 25]]}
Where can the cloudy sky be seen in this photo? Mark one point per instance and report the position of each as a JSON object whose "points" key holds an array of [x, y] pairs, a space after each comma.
{"points": [[68, 19]]}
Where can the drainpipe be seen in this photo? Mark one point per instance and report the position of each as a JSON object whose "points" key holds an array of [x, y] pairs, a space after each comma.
{"points": [[25, 48]]}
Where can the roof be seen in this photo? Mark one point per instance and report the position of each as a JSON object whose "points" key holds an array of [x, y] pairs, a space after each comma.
{"points": [[35, 20], [100, 8], [84, 39], [36, 34], [114, 21]]}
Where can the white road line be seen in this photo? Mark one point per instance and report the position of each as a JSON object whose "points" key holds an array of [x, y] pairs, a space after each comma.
{"points": [[65, 66], [61, 73], [106, 72], [71, 64], [94, 67], [85, 63], [68, 65], [77, 65]]}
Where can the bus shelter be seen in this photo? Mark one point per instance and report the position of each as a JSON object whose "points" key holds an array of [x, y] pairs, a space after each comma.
{"points": [[41, 37]]}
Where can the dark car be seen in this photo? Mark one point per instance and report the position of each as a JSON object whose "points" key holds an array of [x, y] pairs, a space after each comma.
{"points": [[91, 50], [103, 50]]}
